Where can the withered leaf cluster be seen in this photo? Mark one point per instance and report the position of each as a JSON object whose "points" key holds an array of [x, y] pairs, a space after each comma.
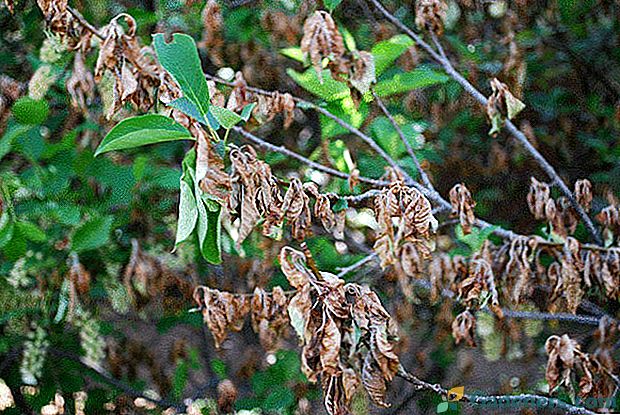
{"points": [[267, 105], [463, 206], [558, 212], [348, 338], [136, 73], [81, 84], [464, 327], [269, 316], [609, 217], [566, 359], [322, 40], [502, 105], [405, 224], [221, 311], [62, 23], [224, 312], [255, 195], [430, 15], [143, 275]]}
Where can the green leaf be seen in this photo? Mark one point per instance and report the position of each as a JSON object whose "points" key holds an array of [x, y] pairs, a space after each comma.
{"points": [[92, 234], [403, 82], [293, 53], [212, 250], [246, 112], [6, 142], [180, 59], [387, 51], [30, 111], [346, 110], [476, 238], [31, 231], [442, 407], [341, 204], [188, 213], [329, 90], [6, 229], [179, 379], [142, 130], [513, 106], [331, 4], [209, 232], [225, 117]]}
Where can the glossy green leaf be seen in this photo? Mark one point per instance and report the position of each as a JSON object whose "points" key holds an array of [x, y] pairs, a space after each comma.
{"points": [[92, 234], [225, 117], [142, 130], [387, 51], [180, 59], [188, 213], [408, 81], [293, 53], [329, 90]]}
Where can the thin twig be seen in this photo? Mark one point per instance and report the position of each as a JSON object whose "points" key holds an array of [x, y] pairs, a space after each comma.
{"points": [[84, 22], [372, 143], [400, 133], [164, 403], [496, 401], [520, 136], [280, 149], [344, 271]]}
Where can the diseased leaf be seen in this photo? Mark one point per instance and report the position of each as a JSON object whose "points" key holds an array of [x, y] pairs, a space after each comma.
{"points": [[142, 130]]}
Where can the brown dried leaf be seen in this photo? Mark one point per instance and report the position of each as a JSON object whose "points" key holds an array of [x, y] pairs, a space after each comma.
{"points": [[430, 14], [463, 206], [537, 199], [362, 74], [81, 84], [269, 317], [321, 40], [561, 352], [463, 328], [221, 311], [374, 382], [583, 193]]}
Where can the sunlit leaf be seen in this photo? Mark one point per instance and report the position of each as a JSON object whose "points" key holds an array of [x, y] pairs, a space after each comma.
{"points": [[142, 130]]}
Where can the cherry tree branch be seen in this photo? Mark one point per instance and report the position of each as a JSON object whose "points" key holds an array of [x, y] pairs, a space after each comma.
{"points": [[410, 151], [520, 136], [491, 402]]}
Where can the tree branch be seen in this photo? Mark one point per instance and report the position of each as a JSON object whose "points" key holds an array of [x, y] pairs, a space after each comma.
{"points": [[521, 138], [163, 403], [497, 401]]}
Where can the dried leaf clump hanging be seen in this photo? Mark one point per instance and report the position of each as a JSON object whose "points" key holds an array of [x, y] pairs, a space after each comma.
{"points": [[501, 105], [136, 73], [348, 338], [405, 224], [463, 206], [322, 40], [430, 15], [221, 311]]}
